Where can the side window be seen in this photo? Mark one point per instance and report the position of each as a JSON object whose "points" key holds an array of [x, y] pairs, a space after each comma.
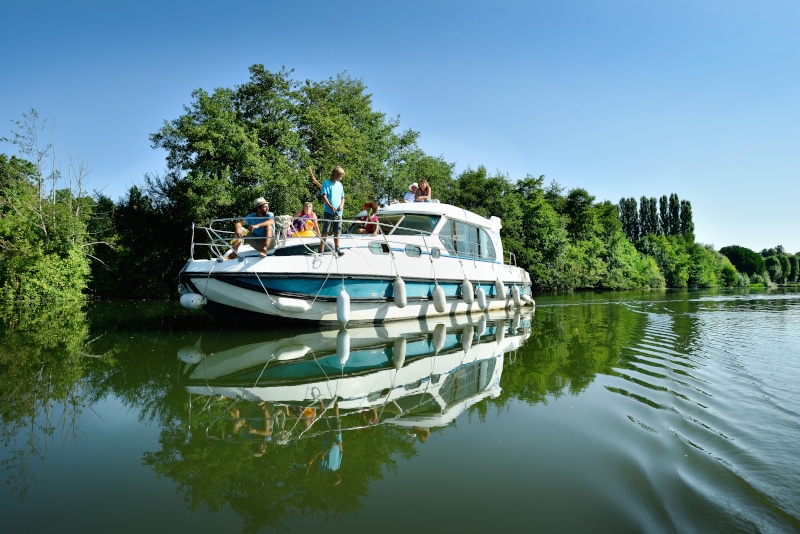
{"points": [[461, 239], [467, 239], [446, 235], [487, 247]]}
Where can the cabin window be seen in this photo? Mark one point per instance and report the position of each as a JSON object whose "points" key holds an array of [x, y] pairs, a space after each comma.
{"points": [[379, 247], [435, 252], [413, 251], [466, 240]]}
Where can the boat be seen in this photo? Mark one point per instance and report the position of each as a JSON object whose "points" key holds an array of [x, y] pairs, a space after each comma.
{"points": [[419, 373], [429, 259]]}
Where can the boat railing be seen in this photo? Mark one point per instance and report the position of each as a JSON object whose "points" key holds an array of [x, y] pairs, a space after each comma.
{"points": [[219, 235], [512, 259]]}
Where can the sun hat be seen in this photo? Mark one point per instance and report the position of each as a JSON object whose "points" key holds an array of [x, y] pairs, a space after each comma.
{"points": [[260, 200], [415, 184]]}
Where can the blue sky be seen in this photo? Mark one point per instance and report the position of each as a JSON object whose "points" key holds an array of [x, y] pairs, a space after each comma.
{"points": [[624, 98]]}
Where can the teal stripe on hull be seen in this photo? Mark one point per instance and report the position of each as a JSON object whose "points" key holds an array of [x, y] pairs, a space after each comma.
{"points": [[357, 289]]}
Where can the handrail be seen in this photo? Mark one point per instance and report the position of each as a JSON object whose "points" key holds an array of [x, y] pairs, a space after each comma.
{"points": [[218, 240]]}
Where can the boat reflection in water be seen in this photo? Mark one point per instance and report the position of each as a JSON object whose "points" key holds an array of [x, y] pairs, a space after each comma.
{"points": [[415, 374]]}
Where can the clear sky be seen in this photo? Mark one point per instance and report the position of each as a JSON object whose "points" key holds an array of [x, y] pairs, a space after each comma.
{"points": [[624, 98]]}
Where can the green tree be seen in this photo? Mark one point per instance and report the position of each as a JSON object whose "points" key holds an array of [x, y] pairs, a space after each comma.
{"points": [[674, 215], [794, 268], [649, 222], [630, 218], [543, 237], [744, 260], [44, 242], [703, 269], [260, 139], [686, 222], [671, 256]]}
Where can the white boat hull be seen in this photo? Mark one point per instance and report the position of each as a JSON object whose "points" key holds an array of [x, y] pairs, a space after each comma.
{"points": [[378, 278]]}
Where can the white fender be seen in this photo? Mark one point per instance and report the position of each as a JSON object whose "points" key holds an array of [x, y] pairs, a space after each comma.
{"points": [[399, 352], [466, 336], [292, 305], [343, 346], [193, 301], [467, 291], [191, 355], [399, 292], [343, 306], [481, 294], [500, 289], [500, 331], [291, 352], [439, 335], [515, 295], [515, 321], [481, 328], [439, 299]]}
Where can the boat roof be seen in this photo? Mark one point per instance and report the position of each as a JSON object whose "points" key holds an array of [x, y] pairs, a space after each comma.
{"points": [[439, 208]]}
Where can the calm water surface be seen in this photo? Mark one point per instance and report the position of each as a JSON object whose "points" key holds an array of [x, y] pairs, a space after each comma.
{"points": [[612, 412]]}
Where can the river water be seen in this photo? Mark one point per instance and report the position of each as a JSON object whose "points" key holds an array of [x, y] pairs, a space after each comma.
{"points": [[607, 412]]}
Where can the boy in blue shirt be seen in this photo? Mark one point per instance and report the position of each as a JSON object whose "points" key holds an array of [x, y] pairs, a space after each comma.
{"points": [[333, 199]]}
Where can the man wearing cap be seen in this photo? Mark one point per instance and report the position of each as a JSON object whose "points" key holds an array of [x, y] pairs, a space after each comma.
{"points": [[412, 191], [261, 225]]}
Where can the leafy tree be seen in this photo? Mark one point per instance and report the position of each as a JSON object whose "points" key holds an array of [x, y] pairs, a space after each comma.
{"points": [[794, 268], [702, 270], [579, 215], [671, 256], [674, 215], [44, 240], [630, 218], [779, 268], [260, 138], [543, 238], [648, 217], [745, 260], [686, 222], [663, 215]]}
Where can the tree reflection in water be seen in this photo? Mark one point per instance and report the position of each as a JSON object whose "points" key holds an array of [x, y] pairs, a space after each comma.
{"points": [[341, 412]]}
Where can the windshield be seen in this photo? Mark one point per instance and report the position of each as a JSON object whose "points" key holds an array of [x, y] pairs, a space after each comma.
{"points": [[408, 224]]}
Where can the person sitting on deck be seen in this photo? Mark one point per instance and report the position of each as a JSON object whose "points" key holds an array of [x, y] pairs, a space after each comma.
{"points": [[305, 222], [261, 224], [412, 191], [370, 219], [423, 192]]}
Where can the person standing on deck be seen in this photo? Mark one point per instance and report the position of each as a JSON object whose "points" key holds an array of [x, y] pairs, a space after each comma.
{"points": [[333, 199]]}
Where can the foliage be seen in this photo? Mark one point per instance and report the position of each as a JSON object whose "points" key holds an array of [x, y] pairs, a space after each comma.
{"points": [[744, 260], [673, 217], [260, 138], [42, 359], [543, 239], [44, 241], [670, 253]]}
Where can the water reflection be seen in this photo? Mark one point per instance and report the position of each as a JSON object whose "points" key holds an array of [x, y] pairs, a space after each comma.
{"points": [[317, 409], [414, 375], [636, 412]]}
